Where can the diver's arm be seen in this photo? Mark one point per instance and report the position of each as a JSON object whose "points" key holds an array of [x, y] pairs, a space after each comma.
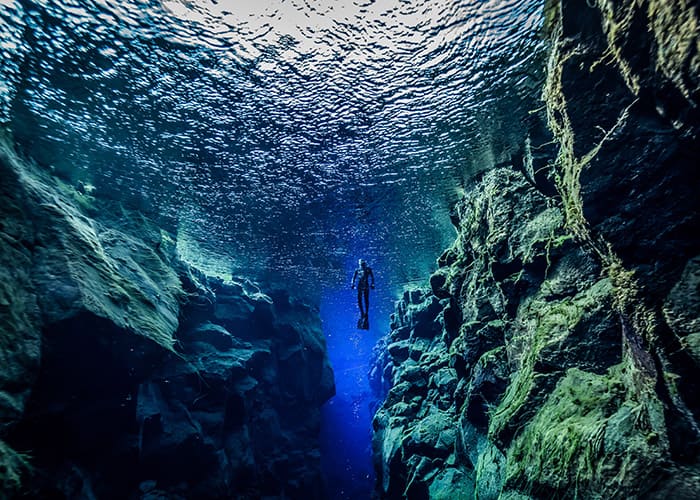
{"points": [[354, 277]]}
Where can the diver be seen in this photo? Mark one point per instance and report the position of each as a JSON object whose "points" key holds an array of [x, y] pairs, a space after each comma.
{"points": [[365, 280]]}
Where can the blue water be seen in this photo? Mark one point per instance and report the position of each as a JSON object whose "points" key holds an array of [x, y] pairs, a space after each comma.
{"points": [[346, 424], [281, 140], [269, 135]]}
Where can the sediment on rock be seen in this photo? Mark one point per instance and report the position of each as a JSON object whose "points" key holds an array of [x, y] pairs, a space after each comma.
{"points": [[127, 373], [554, 354]]}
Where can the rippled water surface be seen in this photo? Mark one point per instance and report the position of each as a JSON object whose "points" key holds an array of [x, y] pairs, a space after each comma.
{"points": [[281, 139]]}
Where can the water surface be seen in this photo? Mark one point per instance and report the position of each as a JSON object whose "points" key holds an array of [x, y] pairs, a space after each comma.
{"points": [[282, 140], [276, 137]]}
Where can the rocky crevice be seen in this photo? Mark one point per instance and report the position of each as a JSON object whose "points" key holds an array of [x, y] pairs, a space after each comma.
{"points": [[553, 355], [129, 374]]}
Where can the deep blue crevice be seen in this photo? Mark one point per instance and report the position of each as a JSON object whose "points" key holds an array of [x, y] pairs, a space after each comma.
{"points": [[346, 429]]}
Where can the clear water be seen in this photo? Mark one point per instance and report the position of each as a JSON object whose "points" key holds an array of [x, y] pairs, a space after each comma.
{"points": [[346, 432], [280, 140], [276, 137]]}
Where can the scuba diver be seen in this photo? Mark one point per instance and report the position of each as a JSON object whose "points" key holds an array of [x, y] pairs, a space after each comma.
{"points": [[365, 280]]}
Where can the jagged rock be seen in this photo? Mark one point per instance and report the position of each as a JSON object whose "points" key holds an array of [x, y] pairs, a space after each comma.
{"points": [[432, 436], [399, 351], [215, 335], [450, 484], [559, 334], [512, 346], [438, 282], [488, 381], [444, 380], [155, 381], [20, 316], [681, 306]]}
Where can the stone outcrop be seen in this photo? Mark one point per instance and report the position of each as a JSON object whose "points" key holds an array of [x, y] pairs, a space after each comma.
{"points": [[128, 374], [555, 353]]}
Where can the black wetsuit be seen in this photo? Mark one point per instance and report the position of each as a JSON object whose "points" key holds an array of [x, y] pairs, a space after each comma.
{"points": [[365, 280]]}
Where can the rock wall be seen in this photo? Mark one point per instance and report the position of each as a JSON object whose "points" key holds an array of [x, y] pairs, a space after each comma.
{"points": [[554, 354], [127, 374]]}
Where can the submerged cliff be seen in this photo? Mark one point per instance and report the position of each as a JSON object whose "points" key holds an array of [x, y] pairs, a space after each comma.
{"points": [[129, 374], [555, 353]]}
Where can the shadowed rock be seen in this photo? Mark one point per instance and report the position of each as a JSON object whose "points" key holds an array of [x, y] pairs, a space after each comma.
{"points": [[129, 374], [559, 332]]}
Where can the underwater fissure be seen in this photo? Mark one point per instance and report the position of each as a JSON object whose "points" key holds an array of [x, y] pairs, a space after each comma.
{"points": [[187, 188]]}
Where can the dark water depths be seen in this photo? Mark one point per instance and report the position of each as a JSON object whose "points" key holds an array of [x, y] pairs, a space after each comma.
{"points": [[281, 140], [345, 437]]}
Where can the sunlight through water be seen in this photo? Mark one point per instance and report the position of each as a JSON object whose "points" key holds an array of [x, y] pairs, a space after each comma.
{"points": [[275, 137], [279, 141]]}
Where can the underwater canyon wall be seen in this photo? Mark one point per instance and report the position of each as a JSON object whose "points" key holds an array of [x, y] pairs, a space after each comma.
{"points": [[556, 353], [128, 374]]}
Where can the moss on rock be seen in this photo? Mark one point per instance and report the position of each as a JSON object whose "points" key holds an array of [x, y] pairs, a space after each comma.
{"points": [[572, 332], [566, 446]]}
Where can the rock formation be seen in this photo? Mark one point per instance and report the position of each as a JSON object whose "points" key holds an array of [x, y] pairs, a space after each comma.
{"points": [[128, 374], [555, 353]]}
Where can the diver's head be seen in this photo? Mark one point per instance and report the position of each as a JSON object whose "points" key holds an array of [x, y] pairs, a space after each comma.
{"points": [[362, 263]]}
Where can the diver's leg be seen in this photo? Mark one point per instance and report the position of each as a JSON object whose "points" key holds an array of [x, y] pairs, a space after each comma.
{"points": [[359, 301], [366, 300]]}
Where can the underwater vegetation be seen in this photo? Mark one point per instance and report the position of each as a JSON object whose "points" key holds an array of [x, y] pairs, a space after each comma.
{"points": [[553, 353]]}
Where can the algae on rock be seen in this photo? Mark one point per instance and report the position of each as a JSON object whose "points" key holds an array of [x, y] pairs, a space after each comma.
{"points": [[568, 319]]}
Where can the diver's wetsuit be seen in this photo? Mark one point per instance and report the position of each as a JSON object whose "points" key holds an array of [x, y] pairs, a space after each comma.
{"points": [[365, 280]]}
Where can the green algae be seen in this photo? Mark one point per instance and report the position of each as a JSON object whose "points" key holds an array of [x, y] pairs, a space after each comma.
{"points": [[543, 323], [567, 167], [672, 28], [489, 471], [543, 231], [592, 438], [639, 319], [560, 447]]}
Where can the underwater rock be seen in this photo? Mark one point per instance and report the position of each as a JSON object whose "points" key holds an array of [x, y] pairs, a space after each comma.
{"points": [[246, 402], [128, 374], [20, 317], [506, 331], [681, 306], [559, 332]]}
